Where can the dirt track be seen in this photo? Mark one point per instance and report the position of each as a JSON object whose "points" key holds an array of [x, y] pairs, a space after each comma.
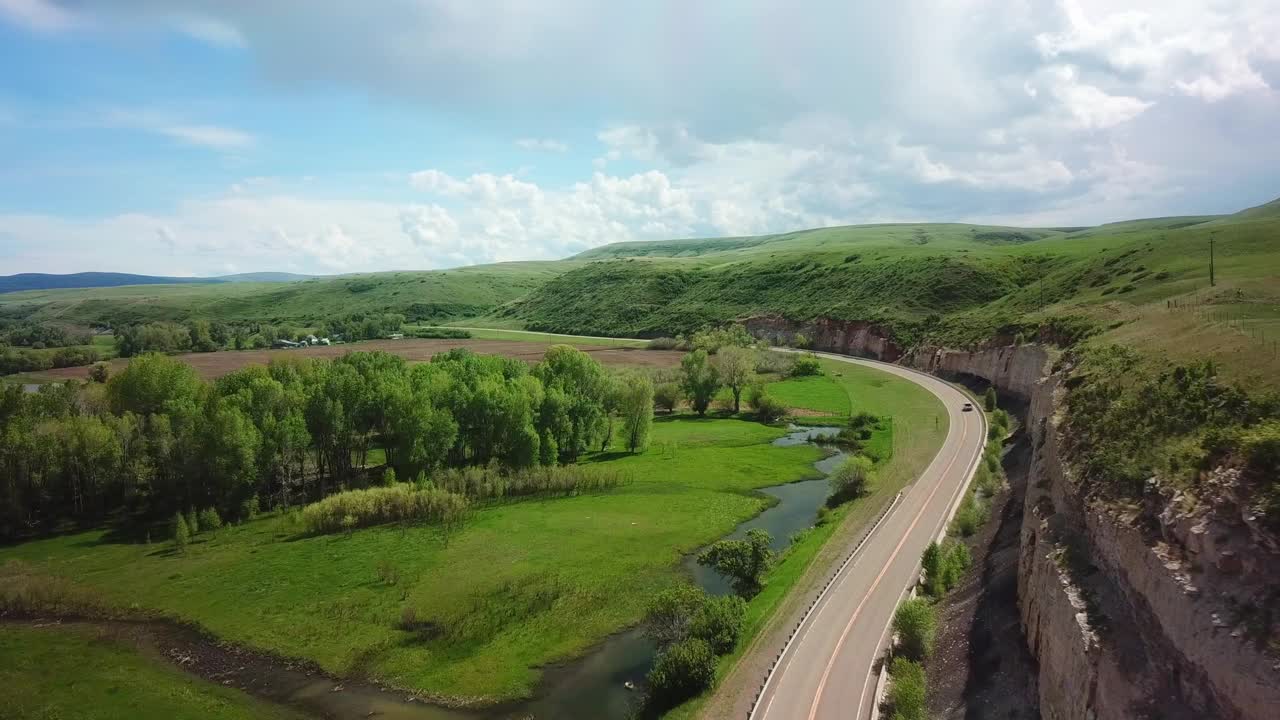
{"points": [[217, 364]]}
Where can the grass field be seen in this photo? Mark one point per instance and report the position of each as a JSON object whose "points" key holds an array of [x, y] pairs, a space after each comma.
{"points": [[484, 333], [76, 672], [522, 584]]}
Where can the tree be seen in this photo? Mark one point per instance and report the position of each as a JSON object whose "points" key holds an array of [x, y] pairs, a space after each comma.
{"points": [[719, 622], [699, 380], [916, 626], [744, 562], [579, 415], [181, 533], [681, 671], [671, 613], [735, 366], [989, 399], [766, 407], [200, 338], [666, 396], [851, 479], [209, 520], [637, 411], [150, 382]]}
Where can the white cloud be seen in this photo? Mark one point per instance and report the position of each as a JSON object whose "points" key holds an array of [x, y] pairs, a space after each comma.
{"points": [[40, 15], [212, 136], [216, 137], [542, 145]]}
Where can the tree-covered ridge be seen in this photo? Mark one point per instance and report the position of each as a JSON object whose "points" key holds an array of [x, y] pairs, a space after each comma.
{"points": [[155, 439]]}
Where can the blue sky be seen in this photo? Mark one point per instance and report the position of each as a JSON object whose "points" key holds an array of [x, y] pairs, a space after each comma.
{"points": [[212, 136]]}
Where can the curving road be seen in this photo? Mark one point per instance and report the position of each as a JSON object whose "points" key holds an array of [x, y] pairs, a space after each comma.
{"points": [[825, 670]]}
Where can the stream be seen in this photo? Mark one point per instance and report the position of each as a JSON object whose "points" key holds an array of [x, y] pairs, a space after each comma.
{"points": [[591, 686]]}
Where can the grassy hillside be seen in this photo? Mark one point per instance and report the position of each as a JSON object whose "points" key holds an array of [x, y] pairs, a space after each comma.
{"points": [[1143, 282], [433, 296]]}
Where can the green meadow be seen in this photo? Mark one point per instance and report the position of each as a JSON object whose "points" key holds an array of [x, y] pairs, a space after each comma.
{"points": [[82, 673], [474, 613]]}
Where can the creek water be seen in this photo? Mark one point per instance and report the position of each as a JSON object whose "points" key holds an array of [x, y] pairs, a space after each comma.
{"points": [[593, 686]]}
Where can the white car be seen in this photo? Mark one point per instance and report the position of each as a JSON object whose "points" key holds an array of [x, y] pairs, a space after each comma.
{"points": [[968, 407]]}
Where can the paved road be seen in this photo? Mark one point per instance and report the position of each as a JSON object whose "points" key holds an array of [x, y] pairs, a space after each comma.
{"points": [[825, 672]]}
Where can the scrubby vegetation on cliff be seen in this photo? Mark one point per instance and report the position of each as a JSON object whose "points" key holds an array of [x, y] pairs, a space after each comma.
{"points": [[1129, 418]]}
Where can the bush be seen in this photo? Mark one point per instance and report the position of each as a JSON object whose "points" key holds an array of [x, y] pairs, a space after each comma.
{"points": [[681, 671], [969, 517], [249, 508], [851, 480], [388, 477], [719, 622], [663, 343], [989, 399], [944, 566], [180, 531], [666, 396], [671, 613], [346, 511], [442, 333], [491, 482], [916, 626], [99, 373], [907, 691], [209, 520], [193, 524], [806, 365], [766, 407], [744, 562]]}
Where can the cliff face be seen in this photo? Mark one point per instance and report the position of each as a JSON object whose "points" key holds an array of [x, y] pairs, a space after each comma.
{"points": [[839, 336], [1158, 609]]}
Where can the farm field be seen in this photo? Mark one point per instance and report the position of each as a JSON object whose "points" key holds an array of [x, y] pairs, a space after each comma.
{"points": [[217, 364], [519, 585]]}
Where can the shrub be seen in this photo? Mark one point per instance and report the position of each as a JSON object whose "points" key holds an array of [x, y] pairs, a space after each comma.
{"points": [[744, 562], [388, 573], [916, 626], [719, 622], [851, 480], [824, 516], [193, 524], [681, 671], [800, 340], [663, 343], [766, 407], [346, 511], [969, 517], [907, 692], [671, 613], [666, 396], [989, 399], [209, 520], [442, 333], [491, 482], [249, 508], [956, 562], [99, 373], [180, 531], [934, 575], [389, 477], [806, 365]]}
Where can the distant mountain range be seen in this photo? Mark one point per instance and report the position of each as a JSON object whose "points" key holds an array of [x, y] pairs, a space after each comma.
{"points": [[46, 281]]}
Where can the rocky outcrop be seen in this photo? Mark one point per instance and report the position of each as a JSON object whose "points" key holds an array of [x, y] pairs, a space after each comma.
{"points": [[848, 337], [1156, 609], [1019, 369]]}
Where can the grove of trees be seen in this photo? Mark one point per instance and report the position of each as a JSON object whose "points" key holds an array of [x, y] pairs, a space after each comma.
{"points": [[155, 439]]}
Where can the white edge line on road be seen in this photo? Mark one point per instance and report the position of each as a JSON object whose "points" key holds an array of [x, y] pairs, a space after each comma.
{"points": [[939, 536], [817, 603]]}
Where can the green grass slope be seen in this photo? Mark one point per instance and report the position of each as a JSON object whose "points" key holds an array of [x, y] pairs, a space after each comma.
{"points": [[941, 283], [433, 296]]}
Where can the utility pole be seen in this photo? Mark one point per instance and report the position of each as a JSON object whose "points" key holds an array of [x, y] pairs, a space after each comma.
{"points": [[1211, 240]]}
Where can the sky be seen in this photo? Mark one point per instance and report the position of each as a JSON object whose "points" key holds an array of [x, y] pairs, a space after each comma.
{"points": [[206, 137]]}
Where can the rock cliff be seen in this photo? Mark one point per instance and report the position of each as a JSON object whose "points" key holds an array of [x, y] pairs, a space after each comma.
{"points": [[1162, 609]]}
